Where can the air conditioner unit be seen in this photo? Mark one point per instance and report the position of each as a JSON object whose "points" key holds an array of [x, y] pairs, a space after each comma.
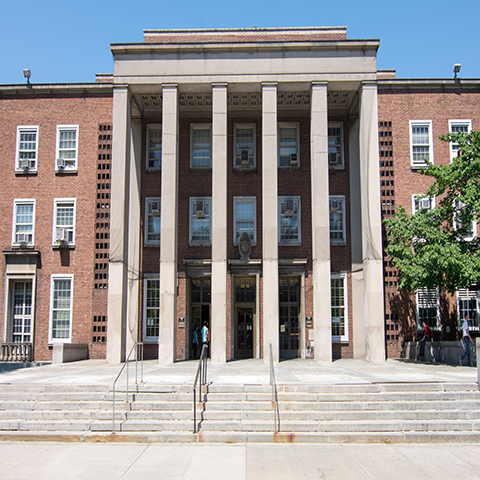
{"points": [[244, 157], [22, 238], [200, 209], [155, 209], [333, 158], [289, 208], [24, 163], [61, 235], [334, 204], [61, 163], [293, 159], [425, 203]]}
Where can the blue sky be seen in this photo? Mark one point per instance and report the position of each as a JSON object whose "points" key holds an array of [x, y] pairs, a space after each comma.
{"points": [[65, 41]]}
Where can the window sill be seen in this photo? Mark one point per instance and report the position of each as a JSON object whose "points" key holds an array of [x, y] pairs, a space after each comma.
{"points": [[64, 246], [342, 243], [25, 173], [66, 171], [153, 169]]}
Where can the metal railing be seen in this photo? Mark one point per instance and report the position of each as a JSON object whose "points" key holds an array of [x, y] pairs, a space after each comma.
{"points": [[126, 364], [16, 352], [273, 383], [201, 379]]}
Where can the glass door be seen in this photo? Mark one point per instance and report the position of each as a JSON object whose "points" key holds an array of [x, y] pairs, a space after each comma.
{"points": [[245, 333], [22, 312]]}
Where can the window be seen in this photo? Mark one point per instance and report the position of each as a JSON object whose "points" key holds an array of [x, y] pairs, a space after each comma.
{"points": [[67, 148], [420, 203], [468, 304], [200, 209], [338, 284], [289, 221], [152, 221], [245, 218], [23, 222], [151, 311], [421, 142], [64, 222], [428, 308], [337, 219], [468, 230], [244, 146], [27, 149], [154, 147], [335, 145], [61, 299], [458, 126], [201, 141], [288, 145]]}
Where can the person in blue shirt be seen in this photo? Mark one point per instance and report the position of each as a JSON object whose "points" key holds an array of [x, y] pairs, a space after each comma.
{"points": [[204, 334], [195, 343]]}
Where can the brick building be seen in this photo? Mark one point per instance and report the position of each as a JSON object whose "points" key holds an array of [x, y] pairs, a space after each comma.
{"points": [[220, 177]]}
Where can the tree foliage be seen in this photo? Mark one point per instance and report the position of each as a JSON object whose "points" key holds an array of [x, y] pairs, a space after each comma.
{"points": [[434, 247]]}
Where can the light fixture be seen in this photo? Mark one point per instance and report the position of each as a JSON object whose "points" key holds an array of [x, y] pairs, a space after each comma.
{"points": [[456, 69], [27, 74]]}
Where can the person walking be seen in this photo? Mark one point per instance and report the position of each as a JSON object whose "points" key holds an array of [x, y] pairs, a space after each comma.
{"points": [[466, 339], [195, 343], [204, 335], [427, 335]]}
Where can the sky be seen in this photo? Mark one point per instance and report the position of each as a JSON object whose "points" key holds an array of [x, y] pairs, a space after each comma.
{"points": [[69, 42]]}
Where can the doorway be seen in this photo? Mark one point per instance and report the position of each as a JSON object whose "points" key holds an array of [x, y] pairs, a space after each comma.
{"points": [[289, 324], [21, 320], [245, 333]]}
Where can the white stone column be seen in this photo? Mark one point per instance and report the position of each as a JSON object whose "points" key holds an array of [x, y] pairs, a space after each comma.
{"points": [[120, 186], [218, 326], [321, 224], [270, 221], [169, 226], [371, 225]]}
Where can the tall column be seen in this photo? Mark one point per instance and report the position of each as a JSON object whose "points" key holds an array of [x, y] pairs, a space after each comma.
{"points": [[371, 225], [168, 227], [219, 224], [270, 221], [321, 224], [117, 282]]}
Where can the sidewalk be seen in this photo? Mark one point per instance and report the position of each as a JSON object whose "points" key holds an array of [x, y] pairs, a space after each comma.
{"points": [[52, 461]]}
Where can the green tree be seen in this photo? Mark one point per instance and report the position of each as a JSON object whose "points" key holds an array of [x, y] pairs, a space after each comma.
{"points": [[434, 247]]}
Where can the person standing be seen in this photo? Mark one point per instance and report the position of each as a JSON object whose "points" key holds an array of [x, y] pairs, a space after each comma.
{"points": [[204, 334], [427, 335], [195, 343], [466, 339]]}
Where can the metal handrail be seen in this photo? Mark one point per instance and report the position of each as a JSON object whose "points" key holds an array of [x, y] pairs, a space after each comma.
{"points": [[202, 375], [273, 383], [127, 361]]}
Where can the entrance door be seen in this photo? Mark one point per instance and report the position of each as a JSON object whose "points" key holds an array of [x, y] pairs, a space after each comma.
{"points": [[245, 333], [289, 332], [22, 312]]}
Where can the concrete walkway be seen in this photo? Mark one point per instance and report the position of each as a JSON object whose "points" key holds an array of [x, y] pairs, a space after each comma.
{"points": [[52, 461]]}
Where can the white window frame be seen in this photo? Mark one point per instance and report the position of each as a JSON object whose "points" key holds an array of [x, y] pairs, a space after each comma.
{"points": [[149, 213], [464, 294], [238, 163], [192, 217], [59, 202], [16, 203], [148, 279], [253, 202], [340, 276], [295, 200], [53, 279], [70, 164], [153, 127], [195, 127], [421, 123], [417, 201], [296, 126], [451, 125], [33, 161], [341, 199], [423, 297], [340, 162]]}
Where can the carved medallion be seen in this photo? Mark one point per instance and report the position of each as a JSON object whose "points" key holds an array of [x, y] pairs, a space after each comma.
{"points": [[244, 246]]}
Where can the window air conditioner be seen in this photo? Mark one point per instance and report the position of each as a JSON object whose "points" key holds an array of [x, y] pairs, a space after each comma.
{"points": [[289, 208], [24, 163], [332, 158], [61, 163], [334, 205], [61, 235], [155, 209], [425, 203], [200, 208], [22, 238], [244, 157], [293, 159]]}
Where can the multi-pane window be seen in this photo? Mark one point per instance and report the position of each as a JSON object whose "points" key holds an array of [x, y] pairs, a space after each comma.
{"points": [[469, 229], [27, 148], [201, 145], [335, 145], [244, 146], [428, 308], [151, 311], [22, 311], [154, 147], [422, 203], [61, 300], [288, 145], [200, 218], [339, 307], [23, 222], [421, 142], [245, 218], [289, 220], [458, 126], [468, 305], [64, 222], [337, 219], [152, 220], [67, 147]]}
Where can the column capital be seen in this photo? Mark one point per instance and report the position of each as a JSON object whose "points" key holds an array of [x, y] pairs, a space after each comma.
{"points": [[319, 84], [169, 85], [269, 84], [219, 84]]}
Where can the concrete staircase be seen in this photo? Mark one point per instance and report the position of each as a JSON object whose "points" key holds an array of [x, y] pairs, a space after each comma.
{"points": [[388, 412]]}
